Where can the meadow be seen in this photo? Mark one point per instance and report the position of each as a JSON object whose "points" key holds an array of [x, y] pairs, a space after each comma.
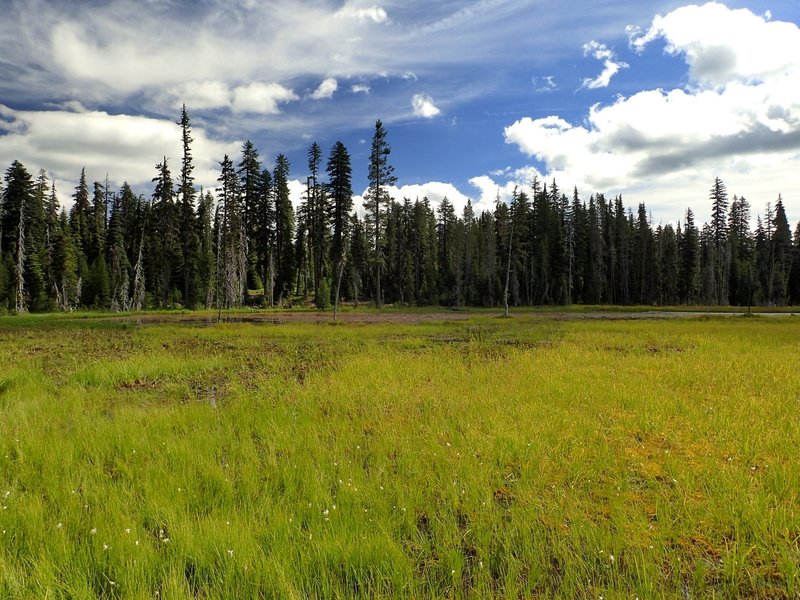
{"points": [[467, 457]]}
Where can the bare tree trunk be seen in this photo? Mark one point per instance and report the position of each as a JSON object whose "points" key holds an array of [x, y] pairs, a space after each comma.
{"points": [[508, 269], [338, 288], [19, 297]]}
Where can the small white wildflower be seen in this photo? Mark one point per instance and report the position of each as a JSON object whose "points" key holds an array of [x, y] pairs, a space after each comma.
{"points": [[326, 512], [59, 526], [106, 546], [165, 540], [93, 530], [127, 530], [230, 552], [611, 556]]}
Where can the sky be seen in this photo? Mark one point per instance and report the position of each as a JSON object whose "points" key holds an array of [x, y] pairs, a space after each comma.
{"points": [[648, 99]]}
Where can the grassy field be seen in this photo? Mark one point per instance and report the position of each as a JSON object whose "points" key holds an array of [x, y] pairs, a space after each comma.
{"points": [[481, 457]]}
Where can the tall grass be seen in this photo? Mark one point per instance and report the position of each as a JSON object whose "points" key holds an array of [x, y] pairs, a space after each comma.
{"points": [[487, 457]]}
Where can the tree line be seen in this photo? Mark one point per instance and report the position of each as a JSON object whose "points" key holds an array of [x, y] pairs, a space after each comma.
{"points": [[244, 243]]}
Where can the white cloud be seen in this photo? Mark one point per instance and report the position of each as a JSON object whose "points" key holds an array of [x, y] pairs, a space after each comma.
{"points": [[721, 45], [261, 98], [326, 89], [545, 84], [424, 106], [201, 95], [611, 66], [374, 13], [742, 115], [126, 148], [360, 89]]}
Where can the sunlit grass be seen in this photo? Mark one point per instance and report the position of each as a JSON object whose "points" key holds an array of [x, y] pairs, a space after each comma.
{"points": [[512, 458]]}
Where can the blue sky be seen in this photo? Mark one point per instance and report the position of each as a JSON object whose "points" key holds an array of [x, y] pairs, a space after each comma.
{"points": [[648, 99]]}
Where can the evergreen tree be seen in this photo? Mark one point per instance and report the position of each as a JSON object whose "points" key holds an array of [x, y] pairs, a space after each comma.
{"points": [[718, 249], [782, 254], [670, 260], [380, 175], [340, 195], [284, 228], [187, 198], [81, 217], [264, 241], [447, 251], [690, 261], [740, 245], [164, 245], [359, 257], [233, 249], [119, 267], [794, 273], [206, 257]]}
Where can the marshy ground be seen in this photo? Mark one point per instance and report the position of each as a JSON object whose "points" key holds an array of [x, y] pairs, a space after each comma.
{"points": [[419, 454]]}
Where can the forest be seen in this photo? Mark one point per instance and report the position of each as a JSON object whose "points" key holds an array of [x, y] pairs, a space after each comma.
{"points": [[244, 244]]}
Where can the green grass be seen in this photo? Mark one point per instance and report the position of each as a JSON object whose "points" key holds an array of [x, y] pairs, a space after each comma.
{"points": [[486, 457]]}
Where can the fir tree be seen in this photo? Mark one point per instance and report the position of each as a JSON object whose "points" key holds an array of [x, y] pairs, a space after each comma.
{"points": [[187, 198], [340, 196], [380, 175]]}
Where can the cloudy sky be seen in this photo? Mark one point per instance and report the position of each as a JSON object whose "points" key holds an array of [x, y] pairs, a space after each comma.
{"points": [[650, 99]]}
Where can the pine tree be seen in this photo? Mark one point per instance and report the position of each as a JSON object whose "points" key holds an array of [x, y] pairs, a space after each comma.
{"points": [[719, 256], [233, 250], [187, 197], [670, 260], [740, 245], [794, 273], [119, 267], [318, 216], [380, 175], [250, 183], [164, 247], [690, 256], [782, 253], [284, 228], [265, 235], [340, 195], [359, 261], [18, 197], [445, 229], [81, 217], [206, 258]]}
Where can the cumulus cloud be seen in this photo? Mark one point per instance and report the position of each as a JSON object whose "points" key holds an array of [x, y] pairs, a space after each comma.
{"points": [[742, 110], [424, 107], [326, 89], [126, 148], [201, 95], [360, 89], [611, 66], [261, 98], [721, 45]]}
